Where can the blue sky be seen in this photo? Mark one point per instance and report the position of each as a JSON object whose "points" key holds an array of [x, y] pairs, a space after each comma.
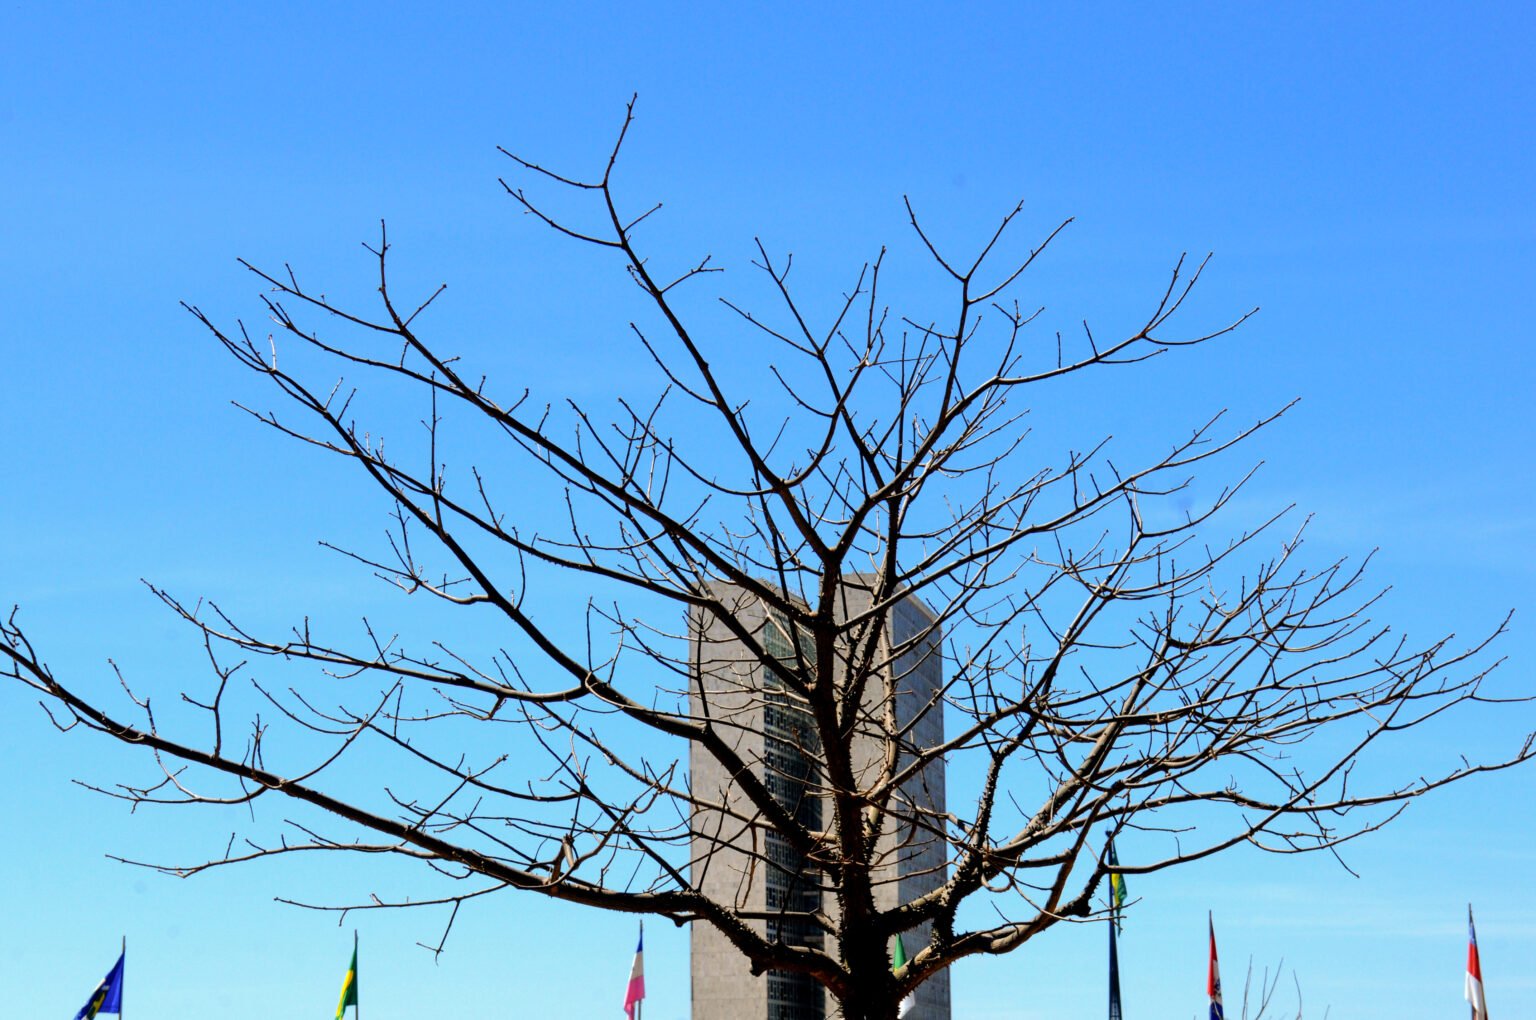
{"points": [[1362, 173]]}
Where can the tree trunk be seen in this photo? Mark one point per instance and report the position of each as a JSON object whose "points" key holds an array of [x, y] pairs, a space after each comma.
{"points": [[872, 995], [861, 1004]]}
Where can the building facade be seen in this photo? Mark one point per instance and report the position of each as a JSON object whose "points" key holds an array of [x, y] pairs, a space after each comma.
{"points": [[754, 869]]}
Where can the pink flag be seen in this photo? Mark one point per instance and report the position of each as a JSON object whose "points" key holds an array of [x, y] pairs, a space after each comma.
{"points": [[1474, 986], [636, 990]]}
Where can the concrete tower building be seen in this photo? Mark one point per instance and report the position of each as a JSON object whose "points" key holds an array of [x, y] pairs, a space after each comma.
{"points": [[756, 870]]}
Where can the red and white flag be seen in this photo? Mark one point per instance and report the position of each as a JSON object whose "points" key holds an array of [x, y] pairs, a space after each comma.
{"points": [[1213, 977], [1474, 988], [636, 990]]}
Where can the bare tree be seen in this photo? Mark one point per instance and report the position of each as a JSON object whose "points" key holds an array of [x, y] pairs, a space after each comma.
{"points": [[1258, 1000], [1111, 666], [1259, 997]]}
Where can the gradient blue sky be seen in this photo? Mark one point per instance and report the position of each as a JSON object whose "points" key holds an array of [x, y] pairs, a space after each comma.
{"points": [[1362, 172]]}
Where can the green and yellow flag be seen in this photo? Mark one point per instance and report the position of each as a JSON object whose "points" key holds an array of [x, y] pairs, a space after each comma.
{"points": [[1116, 886], [349, 984], [899, 964]]}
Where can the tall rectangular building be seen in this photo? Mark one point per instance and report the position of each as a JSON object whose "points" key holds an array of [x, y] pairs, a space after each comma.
{"points": [[755, 870]]}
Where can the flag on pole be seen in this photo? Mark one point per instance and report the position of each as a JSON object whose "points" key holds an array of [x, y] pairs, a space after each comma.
{"points": [[108, 996], [1116, 901], [1213, 977], [636, 990], [349, 983], [1114, 977], [1116, 886], [899, 964], [1474, 985]]}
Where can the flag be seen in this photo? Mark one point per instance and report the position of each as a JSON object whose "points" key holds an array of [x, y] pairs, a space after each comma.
{"points": [[1474, 985], [1116, 886], [108, 996], [1114, 978], [1116, 901], [636, 990], [899, 964], [349, 983], [1213, 977]]}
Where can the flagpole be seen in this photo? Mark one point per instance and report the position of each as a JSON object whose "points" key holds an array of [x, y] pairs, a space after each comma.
{"points": [[357, 1007], [122, 978], [1114, 976], [1116, 894]]}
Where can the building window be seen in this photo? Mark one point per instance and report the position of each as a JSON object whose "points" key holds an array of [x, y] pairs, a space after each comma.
{"points": [[789, 771]]}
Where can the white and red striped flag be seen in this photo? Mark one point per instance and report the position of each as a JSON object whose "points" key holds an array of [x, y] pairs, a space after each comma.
{"points": [[1213, 977], [1474, 988], [636, 990]]}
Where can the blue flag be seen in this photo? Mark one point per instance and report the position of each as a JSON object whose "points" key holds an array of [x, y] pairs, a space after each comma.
{"points": [[108, 996]]}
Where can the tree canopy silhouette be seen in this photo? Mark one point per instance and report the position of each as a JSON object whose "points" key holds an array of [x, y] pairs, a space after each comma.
{"points": [[1115, 664]]}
